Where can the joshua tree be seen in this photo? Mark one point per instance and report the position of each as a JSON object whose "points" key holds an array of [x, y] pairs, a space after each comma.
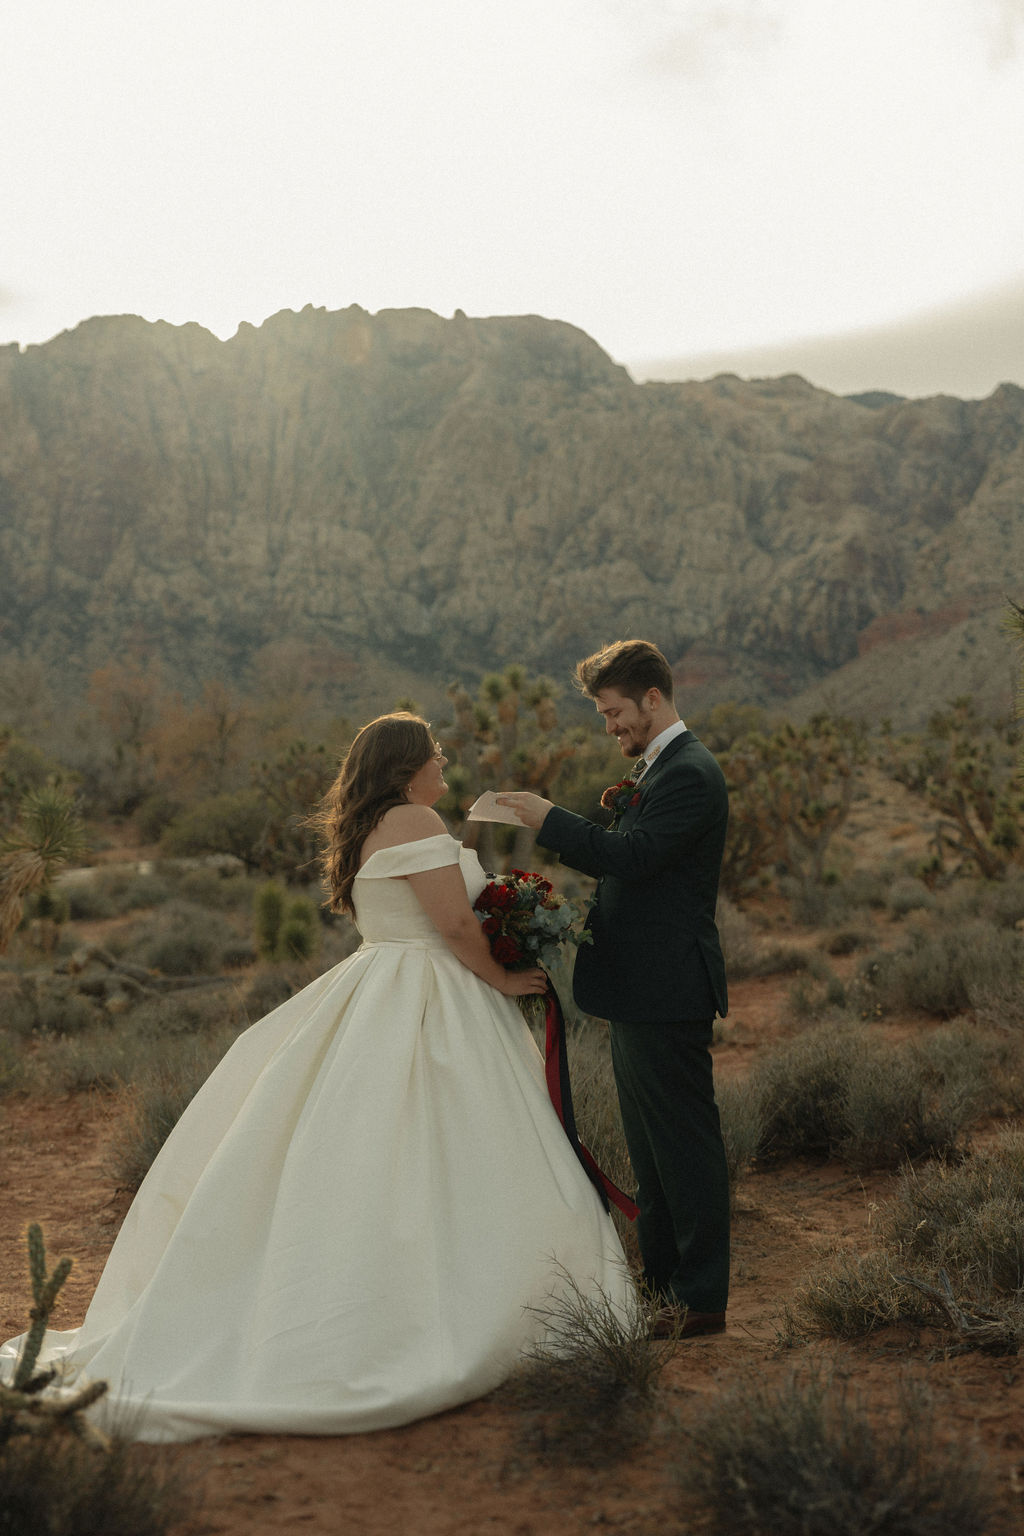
{"points": [[48, 832]]}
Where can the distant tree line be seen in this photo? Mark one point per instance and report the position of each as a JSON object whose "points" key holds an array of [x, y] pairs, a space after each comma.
{"points": [[238, 775]]}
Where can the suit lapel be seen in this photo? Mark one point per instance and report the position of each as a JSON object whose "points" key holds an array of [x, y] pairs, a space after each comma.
{"points": [[666, 754]]}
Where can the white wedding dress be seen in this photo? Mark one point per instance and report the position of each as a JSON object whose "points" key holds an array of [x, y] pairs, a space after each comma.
{"points": [[351, 1223]]}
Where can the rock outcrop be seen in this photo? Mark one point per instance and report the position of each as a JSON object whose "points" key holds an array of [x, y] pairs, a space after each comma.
{"points": [[445, 496]]}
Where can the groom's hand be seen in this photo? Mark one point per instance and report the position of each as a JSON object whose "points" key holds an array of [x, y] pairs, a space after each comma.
{"points": [[531, 809]]}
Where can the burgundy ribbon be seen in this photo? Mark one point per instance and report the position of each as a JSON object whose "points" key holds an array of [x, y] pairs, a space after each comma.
{"points": [[556, 1070]]}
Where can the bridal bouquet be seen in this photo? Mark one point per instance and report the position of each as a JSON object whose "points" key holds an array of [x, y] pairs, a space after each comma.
{"points": [[526, 920]]}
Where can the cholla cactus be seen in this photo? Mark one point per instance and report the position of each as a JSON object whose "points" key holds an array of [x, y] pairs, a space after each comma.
{"points": [[24, 1409]]}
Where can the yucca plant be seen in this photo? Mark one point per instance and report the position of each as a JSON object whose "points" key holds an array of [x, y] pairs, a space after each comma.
{"points": [[48, 832]]}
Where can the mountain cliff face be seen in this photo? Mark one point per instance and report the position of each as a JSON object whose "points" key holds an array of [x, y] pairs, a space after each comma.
{"points": [[450, 495]]}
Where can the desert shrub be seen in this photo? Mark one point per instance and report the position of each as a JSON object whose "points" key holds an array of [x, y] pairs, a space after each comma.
{"points": [[945, 970], [266, 991], [740, 944], [217, 886], [88, 902], [105, 893], [896, 1106], [845, 941], [801, 1086], [187, 1012], [182, 939], [50, 903], [49, 1006], [1000, 902], [966, 1218], [815, 994], [154, 815], [232, 823], [741, 1111], [56, 1485], [745, 953], [803, 1458], [12, 1067], [909, 895], [103, 1057], [836, 1091], [848, 1295], [949, 1251], [587, 1393], [820, 904], [132, 888], [153, 1102]]}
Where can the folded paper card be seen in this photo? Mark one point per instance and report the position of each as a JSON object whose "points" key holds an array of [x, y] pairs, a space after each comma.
{"points": [[488, 809]]}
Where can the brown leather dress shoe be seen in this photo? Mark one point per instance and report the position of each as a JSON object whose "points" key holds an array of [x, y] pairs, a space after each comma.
{"points": [[678, 1322]]}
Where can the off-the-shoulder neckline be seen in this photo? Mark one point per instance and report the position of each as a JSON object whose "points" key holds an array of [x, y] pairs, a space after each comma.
{"points": [[411, 843]]}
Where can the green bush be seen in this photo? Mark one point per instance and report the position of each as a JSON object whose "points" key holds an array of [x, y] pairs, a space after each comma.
{"points": [[268, 915], [803, 1458], [227, 823], [287, 928]]}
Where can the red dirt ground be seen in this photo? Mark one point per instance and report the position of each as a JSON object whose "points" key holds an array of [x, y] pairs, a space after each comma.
{"points": [[465, 1473]]}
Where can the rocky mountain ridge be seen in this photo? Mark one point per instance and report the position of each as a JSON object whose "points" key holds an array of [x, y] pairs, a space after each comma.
{"points": [[440, 497]]}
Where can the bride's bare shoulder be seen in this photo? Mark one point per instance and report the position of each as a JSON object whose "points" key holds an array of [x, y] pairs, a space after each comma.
{"points": [[402, 824]]}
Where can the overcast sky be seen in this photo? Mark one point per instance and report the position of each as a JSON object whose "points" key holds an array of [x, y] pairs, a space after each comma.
{"points": [[684, 179]]}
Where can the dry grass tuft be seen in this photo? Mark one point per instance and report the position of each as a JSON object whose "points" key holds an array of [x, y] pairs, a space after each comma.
{"points": [[588, 1393], [804, 1459]]}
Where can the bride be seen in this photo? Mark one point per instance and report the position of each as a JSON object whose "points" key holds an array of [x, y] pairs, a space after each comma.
{"points": [[352, 1223]]}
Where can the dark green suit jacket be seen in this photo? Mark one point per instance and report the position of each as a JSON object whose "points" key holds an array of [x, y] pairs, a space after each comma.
{"points": [[655, 955]]}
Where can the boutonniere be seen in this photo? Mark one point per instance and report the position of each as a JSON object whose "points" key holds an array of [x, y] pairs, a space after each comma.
{"points": [[621, 797]]}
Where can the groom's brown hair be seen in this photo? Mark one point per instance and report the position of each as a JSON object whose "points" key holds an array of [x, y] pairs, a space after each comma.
{"points": [[630, 666]]}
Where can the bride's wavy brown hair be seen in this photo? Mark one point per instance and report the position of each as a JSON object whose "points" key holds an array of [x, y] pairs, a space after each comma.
{"points": [[373, 777]]}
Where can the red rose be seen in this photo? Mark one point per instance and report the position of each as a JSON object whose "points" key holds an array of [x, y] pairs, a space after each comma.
{"points": [[491, 925], [609, 795], [506, 951], [495, 898]]}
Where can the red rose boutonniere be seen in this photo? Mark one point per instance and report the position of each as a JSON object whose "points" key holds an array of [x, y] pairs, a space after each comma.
{"points": [[620, 797]]}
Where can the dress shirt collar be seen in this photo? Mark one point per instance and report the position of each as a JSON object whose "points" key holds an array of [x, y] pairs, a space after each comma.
{"points": [[654, 748]]}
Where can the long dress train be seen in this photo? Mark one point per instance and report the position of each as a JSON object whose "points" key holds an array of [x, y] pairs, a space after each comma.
{"points": [[351, 1224]]}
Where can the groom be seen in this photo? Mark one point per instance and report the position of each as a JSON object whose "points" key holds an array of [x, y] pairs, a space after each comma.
{"points": [[655, 971]]}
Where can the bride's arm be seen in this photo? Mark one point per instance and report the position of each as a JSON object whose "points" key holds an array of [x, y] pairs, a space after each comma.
{"points": [[442, 895]]}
